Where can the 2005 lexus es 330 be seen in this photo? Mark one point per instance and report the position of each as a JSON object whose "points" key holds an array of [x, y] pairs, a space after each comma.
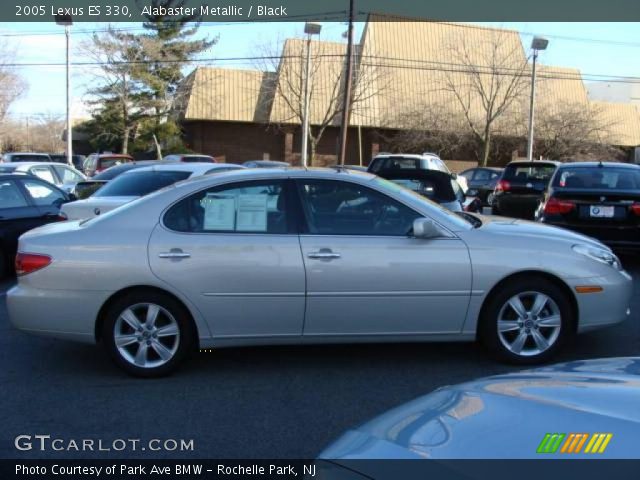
{"points": [[297, 256]]}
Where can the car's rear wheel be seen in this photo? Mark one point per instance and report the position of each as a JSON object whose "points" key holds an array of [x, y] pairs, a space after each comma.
{"points": [[147, 333], [527, 321]]}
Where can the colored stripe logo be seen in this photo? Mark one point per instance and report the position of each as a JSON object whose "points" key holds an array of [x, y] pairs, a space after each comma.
{"points": [[574, 443]]}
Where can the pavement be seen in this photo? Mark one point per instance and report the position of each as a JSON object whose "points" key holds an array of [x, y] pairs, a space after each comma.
{"points": [[242, 403]]}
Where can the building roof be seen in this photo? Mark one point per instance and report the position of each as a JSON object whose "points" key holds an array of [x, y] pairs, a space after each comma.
{"points": [[623, 122], [226, 94], [401, 67]]}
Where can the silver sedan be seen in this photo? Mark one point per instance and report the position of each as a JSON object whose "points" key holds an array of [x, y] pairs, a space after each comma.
{"points": [[288, 256]]}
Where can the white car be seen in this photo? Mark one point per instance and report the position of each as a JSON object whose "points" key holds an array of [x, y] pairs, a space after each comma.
{"points": [[137, 183], [410, 161], [59, 174]]}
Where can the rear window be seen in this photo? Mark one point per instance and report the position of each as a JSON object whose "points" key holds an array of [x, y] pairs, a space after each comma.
{"points": [[113, 172], [140, 183], [29, 158], [106, 162], [204, 159], [598, 178], [394, 163], [529, 172]]}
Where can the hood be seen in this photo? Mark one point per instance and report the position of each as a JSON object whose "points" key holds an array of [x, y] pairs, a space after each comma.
{"points": [[525, 228], [92, 206], [508, 416]]}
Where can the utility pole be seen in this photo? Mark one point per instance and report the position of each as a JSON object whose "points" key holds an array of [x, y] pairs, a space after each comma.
{"points": [[309, 29], [347, 89], [537, 44]]}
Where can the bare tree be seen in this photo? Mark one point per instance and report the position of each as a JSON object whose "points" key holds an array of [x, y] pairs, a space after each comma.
{"points": [[286, 89], [573, 131], [13, 85], [429, 127], [488, 79]]}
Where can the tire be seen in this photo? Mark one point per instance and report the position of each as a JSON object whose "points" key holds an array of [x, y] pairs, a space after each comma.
{"points": [[149, 350], [534, 335]]}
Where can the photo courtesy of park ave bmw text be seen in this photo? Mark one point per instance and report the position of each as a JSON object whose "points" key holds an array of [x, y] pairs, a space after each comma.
{"points": [[343, 240]]}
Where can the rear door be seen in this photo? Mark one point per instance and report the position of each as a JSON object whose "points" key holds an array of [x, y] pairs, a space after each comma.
{"points": [[233, 250]]}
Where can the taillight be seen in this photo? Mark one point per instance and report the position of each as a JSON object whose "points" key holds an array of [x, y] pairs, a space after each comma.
{"points": [[30, 262], [558, 207], [503, 186], [635, 208]]}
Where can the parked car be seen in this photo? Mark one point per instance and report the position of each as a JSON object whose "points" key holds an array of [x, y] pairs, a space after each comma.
{"points": [[25, 157], [26, 202], [435, 185], [97, 162], [136, 183], [406, 161], [77, 160], [482, 182], [191, 157], [87, 187], [60, 175], [530, 414], [599, 199], [309, 256], [265, 164], [358, 168], [521, 188]]}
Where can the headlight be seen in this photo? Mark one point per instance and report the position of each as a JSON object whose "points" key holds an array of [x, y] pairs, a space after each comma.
{"points": [[599, 255]]}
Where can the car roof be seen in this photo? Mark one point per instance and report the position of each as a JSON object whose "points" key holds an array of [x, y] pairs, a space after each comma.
{"points": [[33, 164], [195, 167], [28, 153], [113, 155], [599, 164], [527, 162], [407, 155]]}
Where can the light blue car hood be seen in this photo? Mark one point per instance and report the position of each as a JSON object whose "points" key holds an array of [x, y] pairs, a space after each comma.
{"points": [[508, 416]]}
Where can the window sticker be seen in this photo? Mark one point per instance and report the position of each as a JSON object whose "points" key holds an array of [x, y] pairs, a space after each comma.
{"points": [[219, 212], [252, 213]]}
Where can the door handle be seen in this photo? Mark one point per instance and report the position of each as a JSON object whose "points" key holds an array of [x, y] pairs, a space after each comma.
{"points": [[323, 255], [174, 254]]}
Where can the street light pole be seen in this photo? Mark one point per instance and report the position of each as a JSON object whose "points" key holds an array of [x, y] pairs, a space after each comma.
{"points": [[67, 21], [537, 44], [309, 29], [67, 32]]}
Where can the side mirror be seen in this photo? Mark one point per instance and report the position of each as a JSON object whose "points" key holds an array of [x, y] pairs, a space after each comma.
{"points": [[454, 176], [425, 228], [72, 197]]}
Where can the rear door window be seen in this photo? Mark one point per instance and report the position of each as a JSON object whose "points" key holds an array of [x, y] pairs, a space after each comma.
{"points": [[66, 174]]}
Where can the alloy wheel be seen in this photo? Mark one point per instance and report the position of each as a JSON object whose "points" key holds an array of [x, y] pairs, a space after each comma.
{"points": [[146, 335], [529, 323]]}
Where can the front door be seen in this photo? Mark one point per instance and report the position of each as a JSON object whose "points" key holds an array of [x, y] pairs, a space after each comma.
{"points": [[234, 252], [367, 276]]}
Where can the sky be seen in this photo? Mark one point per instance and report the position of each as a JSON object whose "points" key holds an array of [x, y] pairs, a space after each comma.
{"points": [[609, 49]]}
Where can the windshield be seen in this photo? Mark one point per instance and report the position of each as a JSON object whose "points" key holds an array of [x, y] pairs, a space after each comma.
{"points": [[412, 196], [136, 184], [598, 178], [195, 159]]}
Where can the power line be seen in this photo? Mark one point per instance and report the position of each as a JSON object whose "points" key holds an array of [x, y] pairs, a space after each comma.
{"points": [[428, 65]]}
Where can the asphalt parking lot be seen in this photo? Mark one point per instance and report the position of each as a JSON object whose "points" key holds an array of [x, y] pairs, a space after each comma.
{"points": [[271, 402]]}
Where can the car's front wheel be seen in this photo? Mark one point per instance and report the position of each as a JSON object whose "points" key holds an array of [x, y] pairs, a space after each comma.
{"points": [[147, 333], [527, 321]]}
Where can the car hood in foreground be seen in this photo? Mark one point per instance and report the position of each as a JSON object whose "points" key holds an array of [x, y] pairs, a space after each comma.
{"points": [[526, 229], [508, 416], [87, 208]]}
